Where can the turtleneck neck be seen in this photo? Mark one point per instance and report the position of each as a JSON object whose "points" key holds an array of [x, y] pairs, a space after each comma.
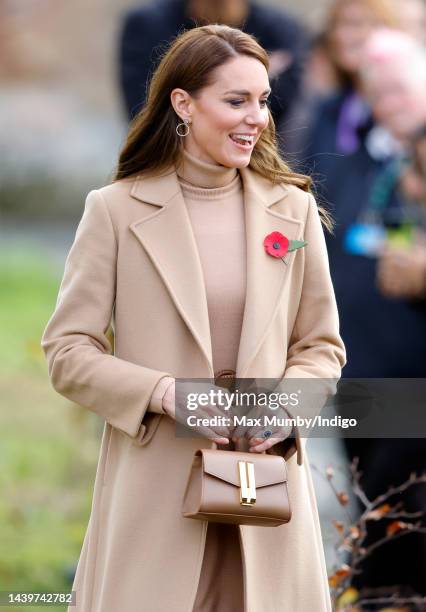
{"points": [[204, 174]]}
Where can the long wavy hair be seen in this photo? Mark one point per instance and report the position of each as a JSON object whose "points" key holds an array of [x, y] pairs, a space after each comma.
{"points": [[152, 145]]}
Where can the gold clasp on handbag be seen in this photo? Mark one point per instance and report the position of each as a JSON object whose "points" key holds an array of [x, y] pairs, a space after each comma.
{"points": [[247, 483]]}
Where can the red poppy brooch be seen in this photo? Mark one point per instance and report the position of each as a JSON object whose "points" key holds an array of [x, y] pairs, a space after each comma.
{"points": [[278, 245]]}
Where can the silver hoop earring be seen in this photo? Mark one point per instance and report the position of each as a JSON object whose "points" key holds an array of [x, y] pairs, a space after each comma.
{"points": [[185, 123]]}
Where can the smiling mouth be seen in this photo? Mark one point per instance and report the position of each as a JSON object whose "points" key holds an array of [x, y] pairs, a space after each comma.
{"points": [[242, 143]]}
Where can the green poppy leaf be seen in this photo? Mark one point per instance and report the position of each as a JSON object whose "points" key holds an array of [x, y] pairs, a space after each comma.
{"points": [[296, 244]]}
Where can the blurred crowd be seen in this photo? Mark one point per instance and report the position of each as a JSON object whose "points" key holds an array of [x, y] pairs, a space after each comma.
{"points": [[349, 105]]}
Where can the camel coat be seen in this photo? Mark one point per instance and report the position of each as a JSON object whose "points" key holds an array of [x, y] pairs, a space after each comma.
{"points": [[134, 264]]}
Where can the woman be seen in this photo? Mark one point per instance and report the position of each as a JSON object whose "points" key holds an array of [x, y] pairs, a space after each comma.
{"points": [[162, 252]]}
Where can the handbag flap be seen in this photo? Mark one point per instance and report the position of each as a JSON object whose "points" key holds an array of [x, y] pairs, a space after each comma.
{"points": [[268, 469]]}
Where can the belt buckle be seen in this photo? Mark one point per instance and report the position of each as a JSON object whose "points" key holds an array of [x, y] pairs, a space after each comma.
{"points": [[225, 378]]}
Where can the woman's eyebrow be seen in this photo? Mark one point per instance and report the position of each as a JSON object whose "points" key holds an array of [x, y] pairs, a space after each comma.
{"points": [[244, 92]]}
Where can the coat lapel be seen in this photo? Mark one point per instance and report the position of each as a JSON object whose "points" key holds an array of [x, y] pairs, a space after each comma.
{"points": [[167, 236], [266, 275]]}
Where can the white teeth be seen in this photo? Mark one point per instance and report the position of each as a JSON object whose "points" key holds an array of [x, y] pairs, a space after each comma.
{"points": [[245, 138]]}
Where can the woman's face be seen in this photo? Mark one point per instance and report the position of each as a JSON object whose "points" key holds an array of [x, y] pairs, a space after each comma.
{"points": [[235, 104], [353, 23]]}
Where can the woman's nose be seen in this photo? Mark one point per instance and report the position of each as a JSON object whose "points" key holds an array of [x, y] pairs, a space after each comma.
{"points": [[257, 117]]}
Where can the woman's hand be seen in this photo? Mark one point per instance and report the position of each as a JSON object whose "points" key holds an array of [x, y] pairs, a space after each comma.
{"points": [[174, 404], [256, 441]]}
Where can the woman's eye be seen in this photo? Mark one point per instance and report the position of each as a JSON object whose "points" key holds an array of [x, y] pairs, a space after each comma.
{"points": [[239, 102]]}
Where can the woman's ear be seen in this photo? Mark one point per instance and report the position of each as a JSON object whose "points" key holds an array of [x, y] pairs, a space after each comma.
{"points": [[181, 102]]}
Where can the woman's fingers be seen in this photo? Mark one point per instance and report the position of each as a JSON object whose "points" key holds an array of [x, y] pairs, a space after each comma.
{"points": [[243, 431], [255, 440], [209, 414], [202, 419], [211, 433], [202, 423], [265, 445], [221, 441]]}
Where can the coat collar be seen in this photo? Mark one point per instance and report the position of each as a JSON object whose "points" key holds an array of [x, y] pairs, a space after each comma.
{"points": [[167, 236], [160, 189]]}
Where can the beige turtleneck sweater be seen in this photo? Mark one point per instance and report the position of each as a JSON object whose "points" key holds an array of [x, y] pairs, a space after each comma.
{"points": [[214, 198]]}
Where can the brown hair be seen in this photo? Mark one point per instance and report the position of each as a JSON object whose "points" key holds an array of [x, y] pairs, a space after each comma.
{"points": [[152, 144]]}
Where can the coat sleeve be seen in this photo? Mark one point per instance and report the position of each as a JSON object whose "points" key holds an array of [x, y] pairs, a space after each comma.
{"points": [[316, 350], [156, 403], [79, 355]]}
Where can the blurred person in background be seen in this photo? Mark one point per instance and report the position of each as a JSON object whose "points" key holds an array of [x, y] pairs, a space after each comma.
{"points": [[394, 80], [402, 272], [320, 81], [340, 123], [377, 233], [320, 77], [343, 120], [146, 30], [330, 97]]}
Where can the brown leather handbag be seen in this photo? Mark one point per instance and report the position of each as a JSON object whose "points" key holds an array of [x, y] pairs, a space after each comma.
{"points": [[226, 486], [236, 487]]}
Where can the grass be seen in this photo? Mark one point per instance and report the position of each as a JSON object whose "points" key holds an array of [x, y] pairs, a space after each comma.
{"points": [[48, 446]]}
